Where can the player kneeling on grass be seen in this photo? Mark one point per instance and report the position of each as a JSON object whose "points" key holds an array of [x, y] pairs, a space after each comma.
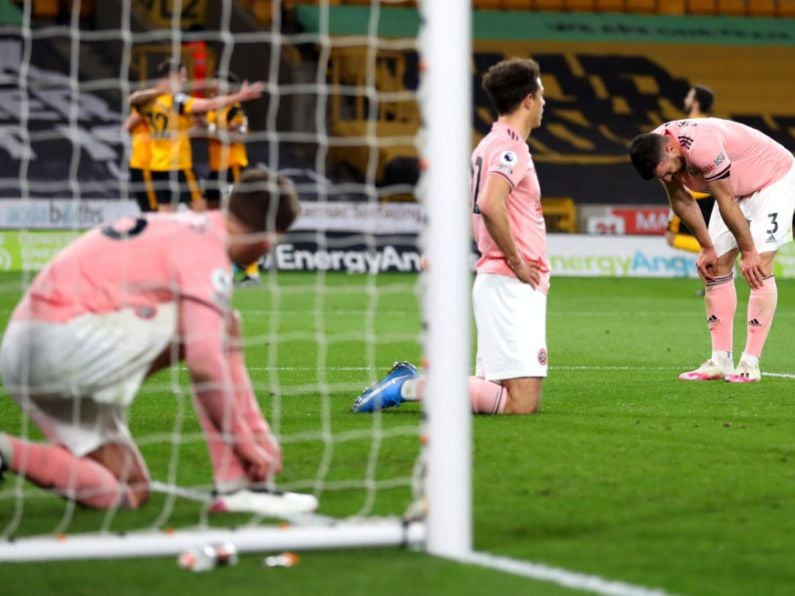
{"points": [[510, 291], [120, 303]]}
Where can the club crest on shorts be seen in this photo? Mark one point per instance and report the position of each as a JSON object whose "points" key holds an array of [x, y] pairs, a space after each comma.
{"points": [[542, 356]]}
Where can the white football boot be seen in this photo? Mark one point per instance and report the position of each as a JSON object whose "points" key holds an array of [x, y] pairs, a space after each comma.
{"points": [[745, 373], [264, 501], [708, 371]]}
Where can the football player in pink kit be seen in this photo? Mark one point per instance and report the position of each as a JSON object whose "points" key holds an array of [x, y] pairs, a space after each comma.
{"points": [[120, 303], [752, 179], [510, 290]]}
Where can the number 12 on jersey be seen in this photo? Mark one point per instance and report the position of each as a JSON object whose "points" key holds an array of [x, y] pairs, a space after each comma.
{"points": [[476, 170]]}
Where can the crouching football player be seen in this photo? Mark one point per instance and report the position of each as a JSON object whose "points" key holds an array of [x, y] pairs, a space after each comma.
{"points": [[120, 303]]}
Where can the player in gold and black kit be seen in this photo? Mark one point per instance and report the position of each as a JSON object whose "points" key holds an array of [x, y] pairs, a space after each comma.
{"points": [[168, 114], [227, 129], [140, 157]]}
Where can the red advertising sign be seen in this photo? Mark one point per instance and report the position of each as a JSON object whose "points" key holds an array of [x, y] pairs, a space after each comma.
{"points": [[646, 221]]}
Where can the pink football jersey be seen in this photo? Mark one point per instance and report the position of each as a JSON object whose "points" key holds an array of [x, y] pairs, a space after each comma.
{"points": [[714, 149], [504, 153], [135, 263]]}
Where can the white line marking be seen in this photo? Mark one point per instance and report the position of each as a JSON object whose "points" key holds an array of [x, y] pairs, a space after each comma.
{"points": [[566, 368], [616, 367], [556, 575], [779, 375], [308, 368]]}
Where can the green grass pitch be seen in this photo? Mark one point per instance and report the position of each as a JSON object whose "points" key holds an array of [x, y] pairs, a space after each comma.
{"points": [[626, 473]]}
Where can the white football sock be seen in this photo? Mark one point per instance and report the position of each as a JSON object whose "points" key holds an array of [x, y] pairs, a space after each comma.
{"points": [[408, 390], [752, 360], [723, 360]]}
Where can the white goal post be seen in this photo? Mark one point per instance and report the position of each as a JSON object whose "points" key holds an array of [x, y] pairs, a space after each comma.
{"points": [[447, 104], [443, 525]]}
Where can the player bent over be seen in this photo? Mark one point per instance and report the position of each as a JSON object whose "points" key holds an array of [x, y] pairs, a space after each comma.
{"points": [[120, 303], [510, 290], [752, 179]]}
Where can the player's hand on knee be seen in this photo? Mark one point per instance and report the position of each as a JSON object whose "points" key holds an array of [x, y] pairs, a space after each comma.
{"points": [[707, 264], [751, 267]]}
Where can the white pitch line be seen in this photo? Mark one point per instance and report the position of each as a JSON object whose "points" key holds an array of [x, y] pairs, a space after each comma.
{"points": [[307, 368], [365, 368], [564, 367], [779, 375], [616, 367], [556, 575]]}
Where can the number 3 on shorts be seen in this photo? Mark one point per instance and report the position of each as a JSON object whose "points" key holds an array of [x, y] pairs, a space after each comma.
{"points": [[773, 223]]}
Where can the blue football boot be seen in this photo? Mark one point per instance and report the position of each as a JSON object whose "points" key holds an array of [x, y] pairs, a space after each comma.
{"points": [[386, 392]]}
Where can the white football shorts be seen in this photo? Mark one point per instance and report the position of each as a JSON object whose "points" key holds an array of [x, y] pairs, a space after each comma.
{"points": [[76, 380], [511, 318], [769, 214]]}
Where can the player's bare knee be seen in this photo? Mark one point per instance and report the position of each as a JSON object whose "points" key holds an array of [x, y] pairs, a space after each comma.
{"points": [[524, 402], [524, 395], [524, 407]]}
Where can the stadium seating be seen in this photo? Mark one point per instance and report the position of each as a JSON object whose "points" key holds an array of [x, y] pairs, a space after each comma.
{"points": [[785, 8], [53, 9], [609, 5], [732, 7], [762, 8], [560, 215], [262, 9], [395, 120], [671, 7], [579, 5]]}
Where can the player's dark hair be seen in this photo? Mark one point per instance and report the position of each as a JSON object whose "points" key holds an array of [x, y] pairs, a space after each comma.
{"points": [[168, 67], [264, 201], [646, 152], [705, 98], [508, 82]]}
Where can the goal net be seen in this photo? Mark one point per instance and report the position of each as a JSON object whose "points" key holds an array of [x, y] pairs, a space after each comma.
{"points": [[348, 85]]}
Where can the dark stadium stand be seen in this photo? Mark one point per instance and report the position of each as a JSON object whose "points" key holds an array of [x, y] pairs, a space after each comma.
{"points": [[762, 8]]}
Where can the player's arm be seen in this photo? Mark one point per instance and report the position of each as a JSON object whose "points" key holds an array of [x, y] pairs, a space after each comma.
{"points": [[247, 92], [244, 392], [204, 330], [143, 96], [493, 206], [750, 264], [236, 124], [234, 133], [685, 206], [133, 120]]}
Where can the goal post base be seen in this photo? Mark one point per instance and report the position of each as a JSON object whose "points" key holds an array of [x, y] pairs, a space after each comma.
{"points": [[344, 534]]}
